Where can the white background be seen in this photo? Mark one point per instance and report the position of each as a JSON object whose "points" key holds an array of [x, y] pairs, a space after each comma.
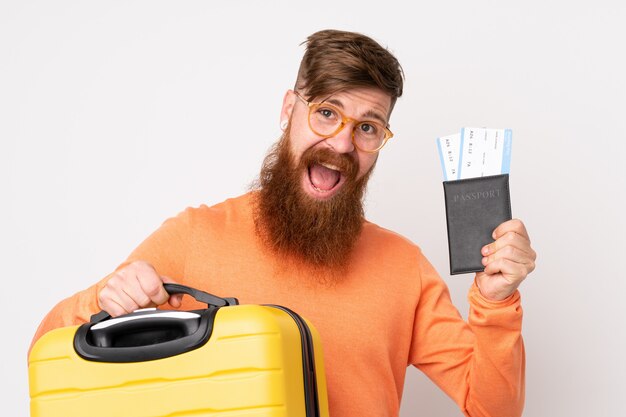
{"points": [[116, 115]]}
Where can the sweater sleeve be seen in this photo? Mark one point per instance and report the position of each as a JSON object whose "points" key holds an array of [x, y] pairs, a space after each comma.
{"points": [[479, 364], [165, 249]]}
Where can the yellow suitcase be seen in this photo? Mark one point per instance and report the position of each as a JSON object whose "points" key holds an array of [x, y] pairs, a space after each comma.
{"points": [[226, 360]]}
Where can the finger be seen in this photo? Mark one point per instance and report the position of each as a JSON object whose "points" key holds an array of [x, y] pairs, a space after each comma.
{"points": [[126, 302], [175, 300], [107, 304], [151, 284], [509, 239], [134, 290], [115, 290], [511, 271], [114, 309], [117, 295], [116, 302], [514, 225], [511, 253], [126, 290], [496, 266]]}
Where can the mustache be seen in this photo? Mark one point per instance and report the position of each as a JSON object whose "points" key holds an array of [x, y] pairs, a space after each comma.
{"points": [[348, 165]]}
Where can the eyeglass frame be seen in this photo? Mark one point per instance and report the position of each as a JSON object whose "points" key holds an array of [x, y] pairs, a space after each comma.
{"points": [[344, 121]]}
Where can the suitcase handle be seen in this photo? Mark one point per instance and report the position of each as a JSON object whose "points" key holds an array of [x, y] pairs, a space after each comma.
{"points": [[202, 296], [144, 336]]}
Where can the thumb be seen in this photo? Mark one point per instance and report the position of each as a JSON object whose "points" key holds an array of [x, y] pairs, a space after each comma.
{"points": [[175, 300]]}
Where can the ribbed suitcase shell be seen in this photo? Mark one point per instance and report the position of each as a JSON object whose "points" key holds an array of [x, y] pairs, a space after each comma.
{"points": [[251, 366]]}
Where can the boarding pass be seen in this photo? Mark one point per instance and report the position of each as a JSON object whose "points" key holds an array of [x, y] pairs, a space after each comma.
{"points": [[475, 152]]}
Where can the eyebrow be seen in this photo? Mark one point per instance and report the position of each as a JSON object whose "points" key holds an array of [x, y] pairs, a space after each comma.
{"points": [[370, 114]]}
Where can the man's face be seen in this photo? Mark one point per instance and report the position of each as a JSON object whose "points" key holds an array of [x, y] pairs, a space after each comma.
{"points": [[323, 180], [310, 203]]}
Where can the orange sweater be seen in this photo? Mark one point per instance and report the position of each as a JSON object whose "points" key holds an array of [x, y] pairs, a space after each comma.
{"points": [[390, 310]]}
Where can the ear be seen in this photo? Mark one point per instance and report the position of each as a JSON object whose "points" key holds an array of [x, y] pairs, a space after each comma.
{"points": [[289, 101]]}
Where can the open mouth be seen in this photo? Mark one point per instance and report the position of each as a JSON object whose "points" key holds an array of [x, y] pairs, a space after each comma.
{"points": [[325, 178]]}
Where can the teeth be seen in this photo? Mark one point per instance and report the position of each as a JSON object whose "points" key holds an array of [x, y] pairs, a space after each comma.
{"points": [[319, 190], [330, 166]]}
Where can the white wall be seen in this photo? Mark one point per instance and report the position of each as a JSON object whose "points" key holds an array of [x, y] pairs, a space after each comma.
{"points": [[116, 115]]}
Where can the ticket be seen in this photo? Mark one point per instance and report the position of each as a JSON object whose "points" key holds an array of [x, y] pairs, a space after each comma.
{"points": [[449, 150], [484, 152]]}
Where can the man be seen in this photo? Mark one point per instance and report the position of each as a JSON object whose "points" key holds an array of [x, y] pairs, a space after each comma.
{"points": [[299, 239]]}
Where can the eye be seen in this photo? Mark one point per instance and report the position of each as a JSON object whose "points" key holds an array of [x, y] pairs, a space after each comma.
{"points": [[369, 129], [326, 113]]}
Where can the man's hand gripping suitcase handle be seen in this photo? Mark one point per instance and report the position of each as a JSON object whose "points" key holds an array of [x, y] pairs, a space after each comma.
{"points": [[138, 285]]}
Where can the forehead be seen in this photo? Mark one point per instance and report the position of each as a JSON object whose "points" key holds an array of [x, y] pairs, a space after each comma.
{"points": [[362, 103]]}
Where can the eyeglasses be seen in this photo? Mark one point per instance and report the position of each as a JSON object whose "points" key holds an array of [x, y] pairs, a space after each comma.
{"points": [[326, 120]]}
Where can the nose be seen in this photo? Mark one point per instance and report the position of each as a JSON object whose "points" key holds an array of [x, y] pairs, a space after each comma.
{"points": [[342, 141]]}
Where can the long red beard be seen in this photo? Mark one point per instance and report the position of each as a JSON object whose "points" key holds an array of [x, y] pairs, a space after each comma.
{"points": [[321, 233]]}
